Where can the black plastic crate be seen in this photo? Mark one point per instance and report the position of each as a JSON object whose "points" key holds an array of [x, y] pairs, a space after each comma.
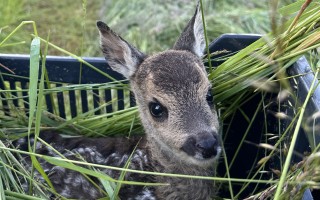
{"points": [[63, 71]]}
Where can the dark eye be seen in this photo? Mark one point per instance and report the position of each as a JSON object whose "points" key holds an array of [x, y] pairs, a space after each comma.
{"points": [[209, 97], [157, 110]]}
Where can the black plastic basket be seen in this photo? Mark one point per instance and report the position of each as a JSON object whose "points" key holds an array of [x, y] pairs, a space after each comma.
{"points": [[62, 71]]}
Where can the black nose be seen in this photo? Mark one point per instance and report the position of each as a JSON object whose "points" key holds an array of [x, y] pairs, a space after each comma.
{"points": [[207, 145]]}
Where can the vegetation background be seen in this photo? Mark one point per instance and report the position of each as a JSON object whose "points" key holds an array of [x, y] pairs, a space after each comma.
{"points": [[152, 25]]}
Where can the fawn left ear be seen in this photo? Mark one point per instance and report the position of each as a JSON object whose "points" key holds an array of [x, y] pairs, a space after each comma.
{"points": [[192, 37], [120, 55]]}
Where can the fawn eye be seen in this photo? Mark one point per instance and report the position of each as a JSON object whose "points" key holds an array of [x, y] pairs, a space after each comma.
{"points": [[157, 110], [209, 97]]}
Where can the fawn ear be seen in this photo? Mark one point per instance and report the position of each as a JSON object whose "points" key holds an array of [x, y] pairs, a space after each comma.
{"points": [[192, 37], [120, 55]]}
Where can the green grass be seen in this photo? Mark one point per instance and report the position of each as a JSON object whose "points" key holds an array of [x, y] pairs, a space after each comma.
{"points": [[71, 24], [240, 78]]}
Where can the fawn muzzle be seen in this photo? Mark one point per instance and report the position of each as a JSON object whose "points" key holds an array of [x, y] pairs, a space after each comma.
{"points": [[202, 146]]}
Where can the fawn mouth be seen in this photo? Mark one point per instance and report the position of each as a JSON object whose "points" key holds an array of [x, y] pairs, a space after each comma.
{"points": [[207, 155]]}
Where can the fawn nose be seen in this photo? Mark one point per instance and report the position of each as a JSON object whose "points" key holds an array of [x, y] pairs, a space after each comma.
{"points": [[204, 145], [207, 145]]}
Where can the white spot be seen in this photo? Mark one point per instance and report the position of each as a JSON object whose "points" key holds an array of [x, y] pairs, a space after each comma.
{"points": [[67, 180], [123, 160], [77, 181], [146, 195], [50, 151], [38, 145], [65, 192], [80, 150], [21, 141]]}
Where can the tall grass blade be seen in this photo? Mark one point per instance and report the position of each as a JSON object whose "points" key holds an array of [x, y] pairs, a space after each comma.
{"points": [[35, 102], [2, 195], [16, 195]]}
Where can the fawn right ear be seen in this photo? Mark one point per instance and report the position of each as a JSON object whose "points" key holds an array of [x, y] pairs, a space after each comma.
{"points": [[120, 55], [192, 37]]}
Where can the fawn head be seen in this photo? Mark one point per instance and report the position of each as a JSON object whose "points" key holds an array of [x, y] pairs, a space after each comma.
{"points": [[172, 92]]}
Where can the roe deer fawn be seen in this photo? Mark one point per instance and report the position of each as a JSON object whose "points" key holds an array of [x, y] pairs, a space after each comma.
{"points": [[172, 92]]}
